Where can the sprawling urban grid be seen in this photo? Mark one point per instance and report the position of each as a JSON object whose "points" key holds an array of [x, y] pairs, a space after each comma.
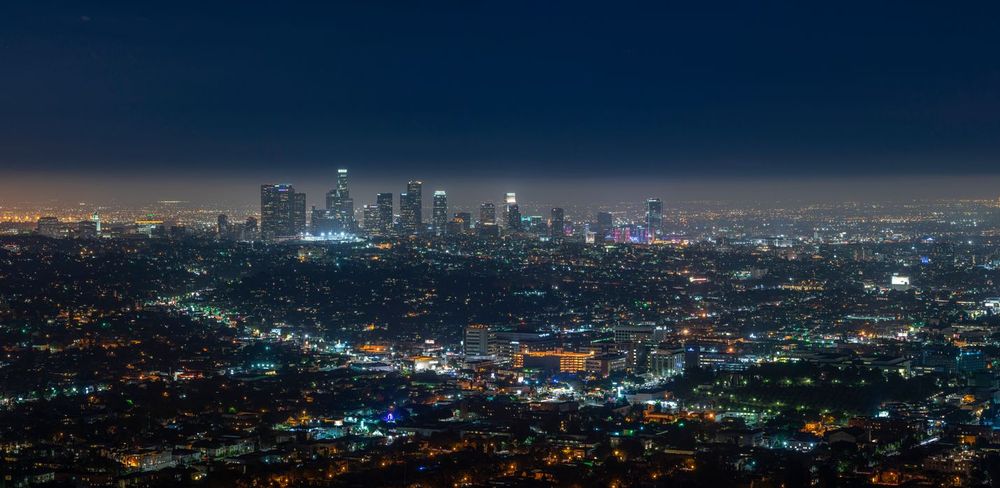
{"points": [[412, 343]]}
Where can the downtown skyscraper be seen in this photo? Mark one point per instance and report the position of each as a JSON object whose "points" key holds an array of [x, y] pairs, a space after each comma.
{"points": [[439, 212], [410, 208], [383, 211], [369, 219], [340, 205], [557, 223], [654, 218], [282, 211], [487, 214], [512, 213]]}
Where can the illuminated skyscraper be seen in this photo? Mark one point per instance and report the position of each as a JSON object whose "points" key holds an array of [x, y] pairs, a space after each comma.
{"points": [[384, 211], [439, 212], [342, 182], [487, 214], [410, 208], [602, 228], [466, 221], [222, 227], [250, 229], [654, 218], [282, 211], [298, 213], [512, 214], [536, 225], [557, 223], [340, 205], [370, 219], [322, 222]]}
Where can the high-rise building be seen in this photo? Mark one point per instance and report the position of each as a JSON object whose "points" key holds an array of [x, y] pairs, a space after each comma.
{"points": [[298, 213], [466, 219], [340, 205], [654, 218], [384, 223], [489, 230], [557, 223], [454, 227], [535, 225], [666, 362], [222, 227], [371, 220], [410, 208], [512, 214], [282, 211], [439, 212], [322, 222], [602, 228], [250, 229], [96, 218], [342, 183], [477, 340], [487, 214]]}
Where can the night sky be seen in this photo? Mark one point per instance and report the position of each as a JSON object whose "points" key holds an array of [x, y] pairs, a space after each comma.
{"points": [[506, 91]]}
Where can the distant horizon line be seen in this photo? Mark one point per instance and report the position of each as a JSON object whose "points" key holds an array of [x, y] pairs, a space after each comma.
{"points": [[243, 190]]}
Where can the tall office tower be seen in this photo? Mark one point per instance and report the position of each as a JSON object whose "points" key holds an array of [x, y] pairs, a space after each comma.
{"points": [[603, 226], [342, 183], [371, 220], [322, 222], [222, 227], [487, 214], [349, 222], [514, 218], [250, 229], [405, 214], [654, 218], [298, 213], [384, 203], [96, 218], [410, 208], [511, 212], [536, 225], [557, 223], [466, 219], [459, 224], [340, 205], [439, 212], [282, 211]]}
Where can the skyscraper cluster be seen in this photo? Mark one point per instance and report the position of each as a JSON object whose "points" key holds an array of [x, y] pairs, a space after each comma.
{"points": [[283, 215], [410, 208], [282, 211]]}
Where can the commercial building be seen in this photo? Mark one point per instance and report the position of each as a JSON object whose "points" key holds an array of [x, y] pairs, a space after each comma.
{"points": [[439, 212], [654, 218], [410, 208], [282, 211]]}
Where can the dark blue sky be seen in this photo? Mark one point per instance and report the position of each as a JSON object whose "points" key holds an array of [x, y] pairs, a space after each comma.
{"points": [[500, 88]]}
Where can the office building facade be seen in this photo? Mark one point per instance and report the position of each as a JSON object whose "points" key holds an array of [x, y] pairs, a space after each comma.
{"points": [[282, 211]]}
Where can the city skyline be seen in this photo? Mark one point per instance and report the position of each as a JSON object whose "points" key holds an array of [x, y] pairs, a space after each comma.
{"points": [[473, 244]]}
